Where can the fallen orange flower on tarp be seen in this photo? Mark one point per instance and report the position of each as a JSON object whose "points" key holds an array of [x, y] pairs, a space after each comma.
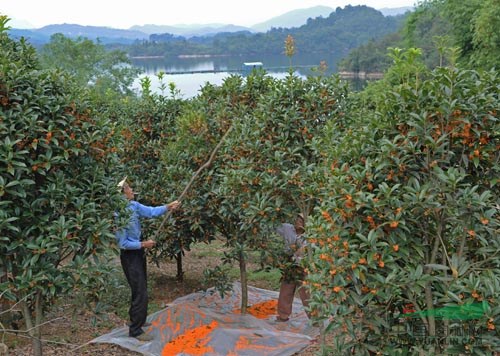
{"points": [[262, 310], [192, 342], [204, 323]]}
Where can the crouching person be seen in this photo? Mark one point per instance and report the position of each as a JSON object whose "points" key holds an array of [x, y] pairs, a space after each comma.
{"points": [[294, 274]]}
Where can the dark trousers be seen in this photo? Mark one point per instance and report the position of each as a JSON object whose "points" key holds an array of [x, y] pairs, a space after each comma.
{"points": [[134, 265], [285, 298]]}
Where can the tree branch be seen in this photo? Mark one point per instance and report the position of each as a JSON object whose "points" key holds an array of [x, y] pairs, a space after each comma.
{"points": [[195, 175]]}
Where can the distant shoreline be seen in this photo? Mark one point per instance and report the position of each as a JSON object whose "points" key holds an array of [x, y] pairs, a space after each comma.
{"points": [[183, 56], [344, 74], [202, 55], [147, 57], [361, 75]]}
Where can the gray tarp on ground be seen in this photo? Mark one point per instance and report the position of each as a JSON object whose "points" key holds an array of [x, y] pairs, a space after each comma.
{"points": [[232, 334]]}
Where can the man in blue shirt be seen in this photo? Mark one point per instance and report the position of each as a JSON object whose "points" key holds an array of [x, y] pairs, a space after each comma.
{"points": [[133, 258]]}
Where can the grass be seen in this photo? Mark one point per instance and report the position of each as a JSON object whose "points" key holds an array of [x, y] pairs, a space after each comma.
{"points": [[256, 275], [211, 250]]}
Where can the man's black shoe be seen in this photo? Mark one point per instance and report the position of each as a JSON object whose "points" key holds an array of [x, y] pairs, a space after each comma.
{"points": [[147, 324], [144, 337]]}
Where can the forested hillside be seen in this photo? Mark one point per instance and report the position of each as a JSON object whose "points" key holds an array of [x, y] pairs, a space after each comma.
{"points": [[446, 31], [345, 29]]}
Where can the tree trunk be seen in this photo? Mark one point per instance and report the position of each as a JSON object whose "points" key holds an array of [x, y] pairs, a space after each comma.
{"points": [[431, 322], [38, 320], [244, 286], [32, 327], [429, 300], [180, 272]]}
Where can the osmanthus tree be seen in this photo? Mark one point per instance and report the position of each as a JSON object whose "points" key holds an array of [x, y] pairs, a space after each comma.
{"points": [[57, 191], [147, 125], [268, 162], [409, 215], [193, 159], [167, 141]]}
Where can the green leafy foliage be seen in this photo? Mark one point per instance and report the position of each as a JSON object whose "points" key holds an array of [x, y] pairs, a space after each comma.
{"points": [[57, 193], [148, 128], [262, 175], [106, 72], [446, 31], [411, 213]]}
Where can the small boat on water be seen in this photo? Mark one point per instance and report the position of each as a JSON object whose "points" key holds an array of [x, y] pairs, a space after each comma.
{"points": [[250, 66]]}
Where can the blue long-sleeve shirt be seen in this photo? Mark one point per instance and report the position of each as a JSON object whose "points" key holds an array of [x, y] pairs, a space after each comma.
{"points": [[129, 238]]}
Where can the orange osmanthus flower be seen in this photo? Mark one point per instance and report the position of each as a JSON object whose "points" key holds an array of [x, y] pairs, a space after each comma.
{"points": [[326, 215], [324, 257], [348, 201], [394, 224]]}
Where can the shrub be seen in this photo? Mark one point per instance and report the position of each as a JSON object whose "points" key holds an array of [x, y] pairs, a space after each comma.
{"points": [[56, 186], [410, 215]]}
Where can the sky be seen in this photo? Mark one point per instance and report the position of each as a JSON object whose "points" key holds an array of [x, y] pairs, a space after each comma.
{"points": [[125, 13]]}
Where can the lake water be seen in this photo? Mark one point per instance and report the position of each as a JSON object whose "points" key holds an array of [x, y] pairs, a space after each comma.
{"points": [[189, 84]]}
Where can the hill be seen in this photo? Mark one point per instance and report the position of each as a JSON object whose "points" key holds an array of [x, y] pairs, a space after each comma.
{"points": [[189, 30], [295, 18], [316, 29], [386, 11], [340, 32], [105, 35], [90, 32], [33, 37]]}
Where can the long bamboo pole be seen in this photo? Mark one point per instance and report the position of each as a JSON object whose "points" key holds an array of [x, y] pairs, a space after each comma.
{"points": [[191, 181]]}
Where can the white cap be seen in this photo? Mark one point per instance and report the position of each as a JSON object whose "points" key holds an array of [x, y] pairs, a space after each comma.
{"points": [[122, 182]]}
